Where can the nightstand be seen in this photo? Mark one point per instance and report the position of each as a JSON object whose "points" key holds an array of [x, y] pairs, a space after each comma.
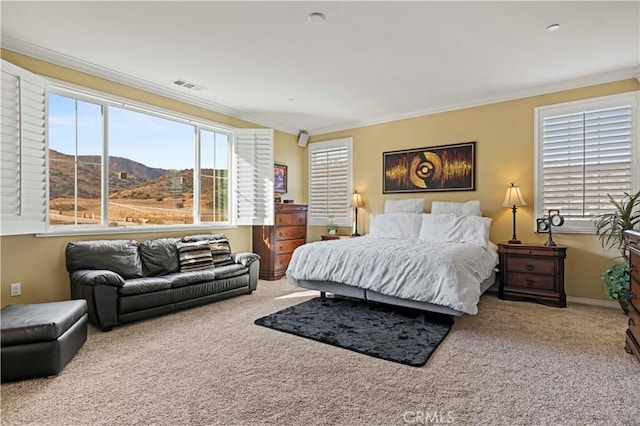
{"points": [[328, 237], [532, 271]]}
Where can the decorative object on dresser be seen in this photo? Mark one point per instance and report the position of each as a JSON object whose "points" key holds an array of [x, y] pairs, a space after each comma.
{"points": [[545, 223], [356, 203], [532, 271], [632, 342], [513, 199], [275, 243]]}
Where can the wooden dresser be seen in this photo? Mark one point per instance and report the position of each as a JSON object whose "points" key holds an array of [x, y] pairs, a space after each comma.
{"points": [[532, 271], [632, 342], [276, 243]]}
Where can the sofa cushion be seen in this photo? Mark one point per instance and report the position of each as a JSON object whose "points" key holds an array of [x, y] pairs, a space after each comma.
{"points": [[182, 279], [228, 271], [160, 257], [144, 285], [221, 252], [194, 256], [203, 237], [119, 256]]}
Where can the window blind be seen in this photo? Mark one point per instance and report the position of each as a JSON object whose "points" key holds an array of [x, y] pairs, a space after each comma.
{"points": [[587, 152], [23, 157], [254, 176], [330, 182]]}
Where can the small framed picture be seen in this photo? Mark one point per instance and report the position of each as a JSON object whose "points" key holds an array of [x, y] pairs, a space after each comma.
{"points": [[280, 178]]}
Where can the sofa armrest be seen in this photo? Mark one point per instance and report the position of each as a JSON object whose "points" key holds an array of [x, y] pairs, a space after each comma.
{"points": [[244, 258], [96, 277]]}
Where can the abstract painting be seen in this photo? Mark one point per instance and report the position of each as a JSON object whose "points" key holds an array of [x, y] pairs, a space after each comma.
{"points": [[436, 168]]}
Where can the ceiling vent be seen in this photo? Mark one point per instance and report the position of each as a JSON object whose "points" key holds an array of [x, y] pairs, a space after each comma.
{"points": [[188, 85]]}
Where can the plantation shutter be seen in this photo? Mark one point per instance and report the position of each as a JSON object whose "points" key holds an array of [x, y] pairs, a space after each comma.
{"points": [[23, 156], [588, 151], [330, 182], [254, 176]]}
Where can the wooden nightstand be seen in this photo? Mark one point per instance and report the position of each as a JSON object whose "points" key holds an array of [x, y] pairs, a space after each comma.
{"points": [[328, 237], [532, 271]]}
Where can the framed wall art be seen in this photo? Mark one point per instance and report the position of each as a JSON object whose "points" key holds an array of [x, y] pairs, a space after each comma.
{"points": [[431, 169], [279, 178]]}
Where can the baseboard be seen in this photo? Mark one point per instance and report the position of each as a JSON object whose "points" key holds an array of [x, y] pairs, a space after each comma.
{"points": [[594, 302]]}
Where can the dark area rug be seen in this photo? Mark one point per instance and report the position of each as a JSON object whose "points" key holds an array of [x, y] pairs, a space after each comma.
{"points": [[394, 334]]}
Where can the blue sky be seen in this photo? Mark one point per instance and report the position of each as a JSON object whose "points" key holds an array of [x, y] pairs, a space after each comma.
{"points": [[152, 141]]}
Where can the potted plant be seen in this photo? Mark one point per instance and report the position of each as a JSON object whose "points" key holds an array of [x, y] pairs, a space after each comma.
{"points": [[611, 228]]}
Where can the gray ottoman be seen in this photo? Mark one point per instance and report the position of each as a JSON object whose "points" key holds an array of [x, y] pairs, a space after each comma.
{"points": [[40, 339]]}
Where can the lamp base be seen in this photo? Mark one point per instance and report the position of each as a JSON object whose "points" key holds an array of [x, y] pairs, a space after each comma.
{"points": [[514, 241], [355, 234]]}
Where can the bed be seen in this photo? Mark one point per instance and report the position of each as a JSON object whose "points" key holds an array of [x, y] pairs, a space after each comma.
{"points": [[440, 262]]}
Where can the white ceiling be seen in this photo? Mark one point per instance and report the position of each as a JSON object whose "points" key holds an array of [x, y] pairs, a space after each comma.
{"points": [[369, 62]]}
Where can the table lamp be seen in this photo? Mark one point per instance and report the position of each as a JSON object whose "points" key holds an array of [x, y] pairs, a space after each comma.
{"points": [[356, 202], [513, 199]]}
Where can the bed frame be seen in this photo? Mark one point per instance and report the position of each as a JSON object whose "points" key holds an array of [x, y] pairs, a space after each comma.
{"points": [[340, 289]]}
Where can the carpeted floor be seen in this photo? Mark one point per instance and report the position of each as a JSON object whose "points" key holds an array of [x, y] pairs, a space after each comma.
{"points": [[513, 364]]}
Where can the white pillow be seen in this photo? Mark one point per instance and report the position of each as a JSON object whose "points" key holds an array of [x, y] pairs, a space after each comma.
{"points": [[395, 225], [448, 227], [408, 205], [470, 208]]}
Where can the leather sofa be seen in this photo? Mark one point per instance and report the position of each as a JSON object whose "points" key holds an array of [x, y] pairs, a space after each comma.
{"points": [[124, 281]]}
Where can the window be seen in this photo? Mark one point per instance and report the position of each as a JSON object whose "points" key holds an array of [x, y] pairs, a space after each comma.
{"points": [[584, 151], [330, 182], [115, 164]]}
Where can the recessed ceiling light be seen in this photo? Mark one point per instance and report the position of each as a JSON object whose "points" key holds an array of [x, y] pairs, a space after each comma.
{"points": [[316, 18], [553, 27], [292, 99]]}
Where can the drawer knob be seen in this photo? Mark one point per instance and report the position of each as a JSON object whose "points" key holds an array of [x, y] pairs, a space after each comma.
{"points": [[631, 322], [632, 294], [530, 283], [280, 234], [530, 268]]}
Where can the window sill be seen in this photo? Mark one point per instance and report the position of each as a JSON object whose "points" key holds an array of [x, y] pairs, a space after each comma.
{"points": [[70, 232]]}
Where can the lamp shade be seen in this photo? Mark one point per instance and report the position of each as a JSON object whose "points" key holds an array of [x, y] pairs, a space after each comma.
{"points": [[513, 197], [356, 200]]}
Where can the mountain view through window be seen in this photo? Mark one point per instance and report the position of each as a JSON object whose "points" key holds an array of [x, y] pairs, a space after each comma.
{"points": [[151, 165]]}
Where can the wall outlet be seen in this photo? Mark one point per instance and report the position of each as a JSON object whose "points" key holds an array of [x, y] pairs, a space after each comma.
{"points": [[16, 289]]}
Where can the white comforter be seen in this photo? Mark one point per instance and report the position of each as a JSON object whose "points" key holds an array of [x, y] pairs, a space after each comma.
{"points": [[447, 274]]}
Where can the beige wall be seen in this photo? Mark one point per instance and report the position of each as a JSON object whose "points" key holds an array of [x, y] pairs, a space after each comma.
{"points": [[505, 149], [38, 262]]}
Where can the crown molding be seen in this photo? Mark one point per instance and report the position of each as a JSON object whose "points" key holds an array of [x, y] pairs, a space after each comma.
{"points": [[536, 91], [57, 58]]}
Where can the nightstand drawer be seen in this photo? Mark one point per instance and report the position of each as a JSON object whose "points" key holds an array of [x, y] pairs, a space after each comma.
{"points": [[531, 281], [290, 232], [531, 265], [288, 246], [635, 264]]}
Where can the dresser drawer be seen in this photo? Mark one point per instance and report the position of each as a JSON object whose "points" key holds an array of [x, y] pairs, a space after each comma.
{"points": [[282, 261], [635, 265], [634, 323], [284, 219], [634, 294], [531, 265], [531, 281], [287, 246], [290, 232]]}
